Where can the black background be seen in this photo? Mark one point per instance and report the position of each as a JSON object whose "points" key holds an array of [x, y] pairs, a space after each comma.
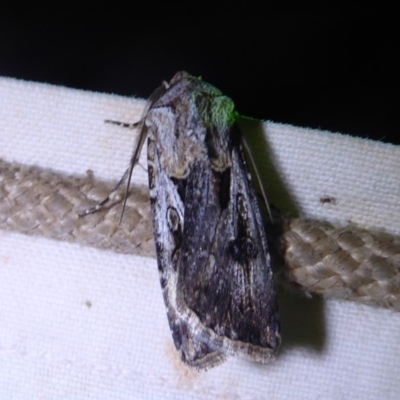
{"points": [[333, 68]]}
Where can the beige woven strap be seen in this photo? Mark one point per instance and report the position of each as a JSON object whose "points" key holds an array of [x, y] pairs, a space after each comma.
{"points": [[41, 202], [346, 262]]}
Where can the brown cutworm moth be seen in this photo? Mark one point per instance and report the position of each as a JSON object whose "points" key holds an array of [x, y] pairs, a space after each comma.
{"points": [[212, 252]]}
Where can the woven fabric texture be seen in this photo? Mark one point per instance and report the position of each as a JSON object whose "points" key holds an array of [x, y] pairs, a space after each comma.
{"points": [[78, 322]]}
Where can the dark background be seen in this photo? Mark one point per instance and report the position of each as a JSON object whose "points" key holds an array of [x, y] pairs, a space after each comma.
{"points": [[333, 68]]}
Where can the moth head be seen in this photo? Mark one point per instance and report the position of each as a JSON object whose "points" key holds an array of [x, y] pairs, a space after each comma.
{"points": [[216, 110]]}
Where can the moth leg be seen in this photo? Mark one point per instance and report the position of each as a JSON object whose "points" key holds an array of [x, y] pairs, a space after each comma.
{"points": [[114, 193], [111, 197], [128, 125]]}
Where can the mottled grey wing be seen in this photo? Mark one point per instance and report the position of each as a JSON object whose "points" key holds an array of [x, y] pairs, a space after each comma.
{"points": [[211, 248], [225, 275]]}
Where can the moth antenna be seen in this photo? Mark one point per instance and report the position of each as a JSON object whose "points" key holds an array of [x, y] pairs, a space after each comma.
{"points": [[255, 169]]}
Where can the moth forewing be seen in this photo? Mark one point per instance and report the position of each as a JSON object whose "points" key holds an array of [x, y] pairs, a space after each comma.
{"points": [[211, 248]]}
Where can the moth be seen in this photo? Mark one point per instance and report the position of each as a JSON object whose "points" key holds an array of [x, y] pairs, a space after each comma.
{"points": [[212, 253]]}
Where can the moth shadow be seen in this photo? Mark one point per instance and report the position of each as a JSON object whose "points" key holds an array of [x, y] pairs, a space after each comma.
{"points": [[302, 318], [302, 321], [278, 195]]}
